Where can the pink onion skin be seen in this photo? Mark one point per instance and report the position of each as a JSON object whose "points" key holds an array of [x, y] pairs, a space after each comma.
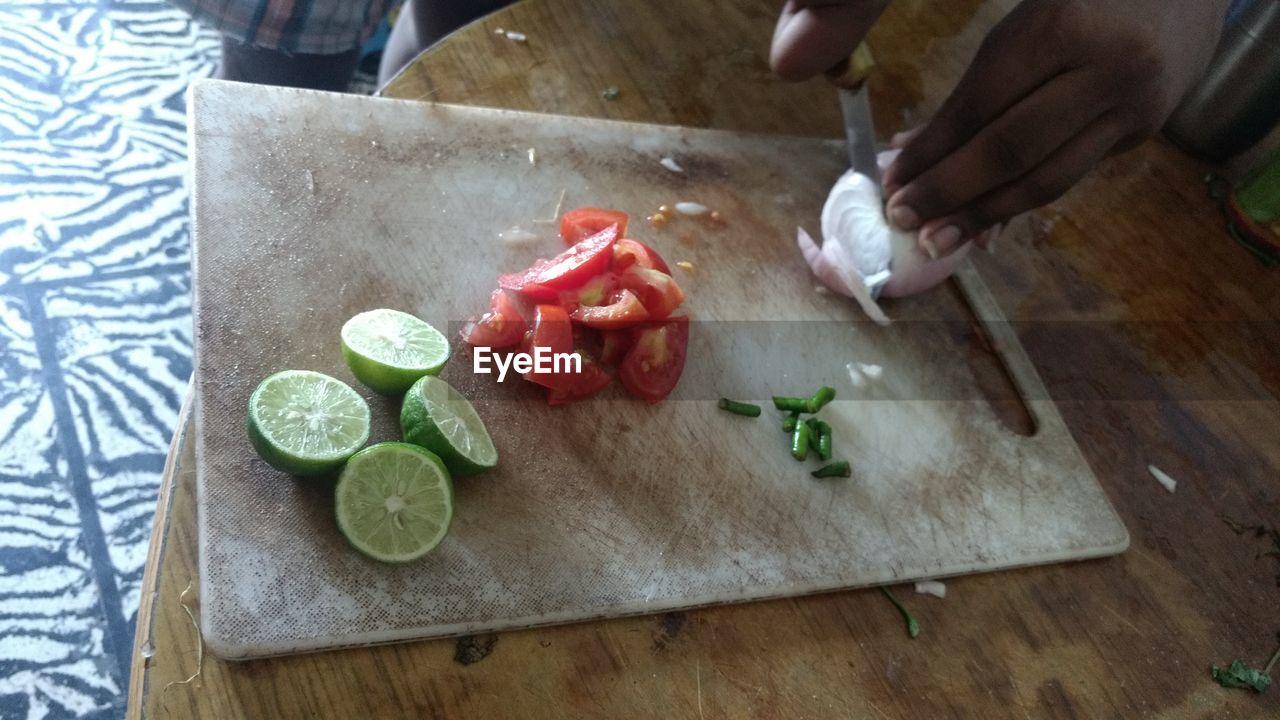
{"points": [[914, 271]]}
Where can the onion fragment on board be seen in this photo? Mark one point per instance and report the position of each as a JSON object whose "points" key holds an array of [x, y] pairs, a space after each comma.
{"points": [[931, 587], [692, 208], [1169, 483], [671, 164]]}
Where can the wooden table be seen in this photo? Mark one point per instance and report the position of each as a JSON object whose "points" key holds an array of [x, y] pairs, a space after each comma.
{"points": [[1157, 334]]}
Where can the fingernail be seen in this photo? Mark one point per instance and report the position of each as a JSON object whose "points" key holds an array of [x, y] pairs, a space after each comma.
{"points": [[946, 239], [904, 217], [939, 242], [990, 237]]}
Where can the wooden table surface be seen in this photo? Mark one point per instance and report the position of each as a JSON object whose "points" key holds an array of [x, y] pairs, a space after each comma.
{"points": [[1156, 334]]}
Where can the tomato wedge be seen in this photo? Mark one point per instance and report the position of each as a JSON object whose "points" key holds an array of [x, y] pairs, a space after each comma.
{"points": [[616, 344], [590, 381], [653, 366], [501, 327], [578, 225], [628, 252], [658, 291], [597, 291], [624, 311], [569, 270], [551, 330]]}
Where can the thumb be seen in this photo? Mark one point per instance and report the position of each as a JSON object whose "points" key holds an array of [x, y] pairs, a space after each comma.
{"points": [[813, 35]]}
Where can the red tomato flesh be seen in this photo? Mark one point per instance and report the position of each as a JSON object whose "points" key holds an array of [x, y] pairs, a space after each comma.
{"points": [[616, 344], [569, 270], [653, 366], [628, 252], [658, 291], [590, 381], [578, 225], [501, 327], [624, 311], [550, 330], [597, 291]]}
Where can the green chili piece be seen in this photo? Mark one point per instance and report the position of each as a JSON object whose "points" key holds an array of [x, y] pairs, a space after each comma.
{"points": [[791, 404], [821, 398], [800, 441], [913, 627], [739, 408], [824, 440], [815, 432], [836, 469]]}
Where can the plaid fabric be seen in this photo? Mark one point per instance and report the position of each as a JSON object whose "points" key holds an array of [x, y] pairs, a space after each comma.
{"points": [[312, 27]]}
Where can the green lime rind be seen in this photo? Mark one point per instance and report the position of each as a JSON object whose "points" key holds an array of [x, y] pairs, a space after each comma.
{"points": [[306, 423], [389, 350], [394, 502], [440, 419]]}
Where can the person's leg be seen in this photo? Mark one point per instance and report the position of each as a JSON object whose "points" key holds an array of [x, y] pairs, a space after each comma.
{"points": [[248, 63], [422, 23]]}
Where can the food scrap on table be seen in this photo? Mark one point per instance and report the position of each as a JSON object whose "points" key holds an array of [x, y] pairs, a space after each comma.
{"points": [[670, 164], [1240, 675], [931, 587], [1169, 483], [611, 93]]}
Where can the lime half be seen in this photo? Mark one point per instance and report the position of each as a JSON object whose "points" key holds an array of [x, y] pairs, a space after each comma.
{"points": [[306, 423], [388, 350], [394, 501], [438, 418]]}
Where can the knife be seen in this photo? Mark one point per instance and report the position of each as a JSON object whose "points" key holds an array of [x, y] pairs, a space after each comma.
{"points": [[850, 77]]}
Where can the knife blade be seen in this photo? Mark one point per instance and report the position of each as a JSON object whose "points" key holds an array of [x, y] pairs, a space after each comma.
{"points": [[850, 77], [859, 130]]}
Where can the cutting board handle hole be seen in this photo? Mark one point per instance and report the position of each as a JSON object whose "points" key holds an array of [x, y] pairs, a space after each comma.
{"points": [[992, 377]]}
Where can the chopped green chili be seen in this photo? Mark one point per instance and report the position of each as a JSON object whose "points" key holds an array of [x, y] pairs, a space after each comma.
{"points": [[836, 469], [800, 441], [913, 627], [739, 408]]}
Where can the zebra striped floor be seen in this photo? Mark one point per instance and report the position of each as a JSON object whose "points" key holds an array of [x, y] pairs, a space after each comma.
{"points": [[95, 332]]}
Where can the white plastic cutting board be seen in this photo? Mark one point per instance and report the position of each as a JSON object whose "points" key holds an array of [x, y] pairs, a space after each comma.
{"points": [[310, 207]]}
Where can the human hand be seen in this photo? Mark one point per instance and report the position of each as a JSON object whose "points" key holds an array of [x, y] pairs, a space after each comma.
{"points": [[1056, 86], [814, 35]]}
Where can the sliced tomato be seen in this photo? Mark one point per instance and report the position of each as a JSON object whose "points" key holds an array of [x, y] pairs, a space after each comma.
{"points": [[625, 311], [653, 366], [628, 252], [551, 330], [615, 346], [569, 270], [590, 381], [658, 291], [597, 291], [501, 327], [578, 225]]}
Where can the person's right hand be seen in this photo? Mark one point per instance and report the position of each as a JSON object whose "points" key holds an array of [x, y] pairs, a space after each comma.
{"points": [[814, 35]]}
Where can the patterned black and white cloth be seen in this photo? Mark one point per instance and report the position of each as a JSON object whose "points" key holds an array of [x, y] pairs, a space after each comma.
{"points": [[95, 332]]}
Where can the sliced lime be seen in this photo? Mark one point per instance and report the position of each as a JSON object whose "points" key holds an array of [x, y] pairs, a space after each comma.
{"points": [[438, 418], [394, 501], [389, 350], [306, 423]]}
